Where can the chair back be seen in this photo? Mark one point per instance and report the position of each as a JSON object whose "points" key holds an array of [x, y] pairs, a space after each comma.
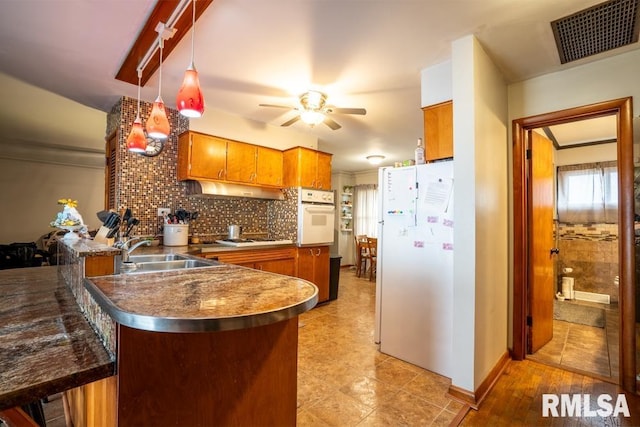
{"points": [[372, 245]]}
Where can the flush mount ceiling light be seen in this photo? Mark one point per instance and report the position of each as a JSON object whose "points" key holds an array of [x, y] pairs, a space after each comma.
{"points": [[136, 141], [157, 123], [190, 101], [375, 159]]}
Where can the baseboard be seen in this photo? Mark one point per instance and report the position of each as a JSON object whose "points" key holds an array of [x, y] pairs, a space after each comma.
{"points": [[592, 296], [474, 399]]}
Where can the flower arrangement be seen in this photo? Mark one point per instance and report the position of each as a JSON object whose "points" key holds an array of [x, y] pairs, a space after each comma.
{"points": [[69, 216]]}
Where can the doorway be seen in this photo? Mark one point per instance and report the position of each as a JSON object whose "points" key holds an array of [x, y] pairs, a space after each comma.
{"points": [[522, 271]]}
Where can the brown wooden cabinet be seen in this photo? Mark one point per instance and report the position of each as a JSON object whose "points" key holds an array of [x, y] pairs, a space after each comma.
{"points": [[209, 157], [313, 265], [276, 260], [241, 162], [269, 166], [438, 131], [304, 167], [201, 156]]}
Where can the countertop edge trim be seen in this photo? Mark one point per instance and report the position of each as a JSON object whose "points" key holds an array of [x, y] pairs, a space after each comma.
{"points": [[164, 324]]}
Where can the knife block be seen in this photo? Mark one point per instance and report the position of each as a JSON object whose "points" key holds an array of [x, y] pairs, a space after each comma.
{"points": [[101, 236]]}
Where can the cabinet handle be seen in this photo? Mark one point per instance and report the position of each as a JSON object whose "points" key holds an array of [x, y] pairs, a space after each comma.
{"points": [[318, 254], [220, 173], [311, 252]]}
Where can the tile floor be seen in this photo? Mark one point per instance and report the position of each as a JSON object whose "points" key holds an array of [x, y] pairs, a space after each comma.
{"points": [[585, 348], [343, 380]]}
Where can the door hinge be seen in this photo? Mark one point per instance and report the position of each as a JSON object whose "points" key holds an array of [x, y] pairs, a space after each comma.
{"points": [[528, 153], [529, 321]]}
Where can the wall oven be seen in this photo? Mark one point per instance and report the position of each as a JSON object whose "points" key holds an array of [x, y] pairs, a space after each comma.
{"points": [[316, 217]]}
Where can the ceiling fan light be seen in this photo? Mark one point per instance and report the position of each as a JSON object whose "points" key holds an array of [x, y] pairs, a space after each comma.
{"points": [[157, 124], [136, 141], [314, 100], [190, 101], [375, 159], [312, 118]]}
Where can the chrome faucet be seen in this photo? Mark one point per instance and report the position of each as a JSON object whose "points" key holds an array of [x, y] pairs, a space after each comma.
{"points": [[126, 250]]}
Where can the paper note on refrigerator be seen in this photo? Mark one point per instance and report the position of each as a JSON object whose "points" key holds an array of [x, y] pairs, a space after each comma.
{"points": [[437, 194]]}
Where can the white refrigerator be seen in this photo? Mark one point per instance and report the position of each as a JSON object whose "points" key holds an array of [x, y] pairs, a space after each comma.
{"points": [[414, 287]]}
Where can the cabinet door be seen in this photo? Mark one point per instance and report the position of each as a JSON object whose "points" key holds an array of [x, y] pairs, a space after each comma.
{"points": [[323, 171], [241, 162], [206, 157], [269, 166], [308, 168], [280, 266], [321, 272], [306, 259], [438, 131]]}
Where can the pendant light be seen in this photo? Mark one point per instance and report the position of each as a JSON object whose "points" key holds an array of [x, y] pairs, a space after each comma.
{"points": [[136, 141], [157, 123], [190, 101]]}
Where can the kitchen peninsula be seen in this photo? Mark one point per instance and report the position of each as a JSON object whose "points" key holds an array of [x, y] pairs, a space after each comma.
{"points": [[213, 345]]}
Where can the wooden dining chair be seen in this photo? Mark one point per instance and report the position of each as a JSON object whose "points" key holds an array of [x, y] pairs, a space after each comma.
{"points": [[362, 254], [372, 245]]}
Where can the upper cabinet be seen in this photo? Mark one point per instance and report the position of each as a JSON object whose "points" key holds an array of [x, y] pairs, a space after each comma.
{"points": [[201, 156], [209, 157], [304, 167], [438, 131]]}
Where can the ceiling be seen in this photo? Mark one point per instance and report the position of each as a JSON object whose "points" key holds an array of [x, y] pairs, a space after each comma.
{"points": [[362, 53]]}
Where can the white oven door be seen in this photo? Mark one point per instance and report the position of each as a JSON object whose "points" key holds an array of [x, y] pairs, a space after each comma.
{"points": [[315, 224]]}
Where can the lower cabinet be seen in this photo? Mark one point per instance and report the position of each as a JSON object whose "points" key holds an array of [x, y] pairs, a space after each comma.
{"points": [[281, 261], [308, 263], [313, 265]]}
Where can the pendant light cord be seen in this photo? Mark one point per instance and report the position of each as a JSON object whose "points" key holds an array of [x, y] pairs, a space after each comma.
{"points": [[193, 31], [139, 83], [161, 44]]}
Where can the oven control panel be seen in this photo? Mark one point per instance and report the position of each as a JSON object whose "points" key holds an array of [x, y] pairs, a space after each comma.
{"points": [[308, 195]]}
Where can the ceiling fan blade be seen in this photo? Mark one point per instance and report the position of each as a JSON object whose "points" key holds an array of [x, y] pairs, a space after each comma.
{"points": [[360, 111], [292, 121], [331, 123], [277, 106]]}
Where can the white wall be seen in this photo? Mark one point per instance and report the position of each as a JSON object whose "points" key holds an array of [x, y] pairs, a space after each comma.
{"points": [[587, 154], [226, 125], [480, 214], [38, 167]]}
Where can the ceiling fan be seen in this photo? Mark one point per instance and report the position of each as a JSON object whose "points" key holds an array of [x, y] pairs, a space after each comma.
{"points": [[314, 110]]}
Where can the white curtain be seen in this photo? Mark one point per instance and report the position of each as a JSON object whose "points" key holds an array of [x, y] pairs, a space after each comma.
{"points": [[588, 193], [365, 210]]}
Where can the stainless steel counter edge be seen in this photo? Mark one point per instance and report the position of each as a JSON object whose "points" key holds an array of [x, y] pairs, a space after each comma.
{"points": [[172, 324]]}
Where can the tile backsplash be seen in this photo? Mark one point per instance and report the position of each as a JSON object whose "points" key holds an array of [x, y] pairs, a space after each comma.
{"points": [[145, 184]]}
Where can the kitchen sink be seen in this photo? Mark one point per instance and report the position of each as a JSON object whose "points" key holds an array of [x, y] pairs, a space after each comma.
{"points": [[156, 258], [160, 262]]}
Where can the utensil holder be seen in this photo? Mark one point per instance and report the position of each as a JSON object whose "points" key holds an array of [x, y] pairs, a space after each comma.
{"points": [[175, 235]]}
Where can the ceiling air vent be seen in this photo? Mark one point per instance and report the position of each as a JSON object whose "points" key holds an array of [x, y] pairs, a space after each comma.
{"points": [[597, 29]]}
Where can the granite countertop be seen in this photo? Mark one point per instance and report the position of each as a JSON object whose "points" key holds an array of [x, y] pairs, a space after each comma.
{"points": [[206, 299], [46, 344]]}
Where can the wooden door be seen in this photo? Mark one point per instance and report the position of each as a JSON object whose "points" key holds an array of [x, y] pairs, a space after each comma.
{"points": [[241, 162], [321, 272], [438, 131], [269, 167], [323, 171], [208, 156], [305, 264], [308, 168], [541, 242], [280, 266]]}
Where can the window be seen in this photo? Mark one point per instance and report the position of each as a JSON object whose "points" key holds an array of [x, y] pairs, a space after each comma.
{"points": [[588, 193], [365, 210]]}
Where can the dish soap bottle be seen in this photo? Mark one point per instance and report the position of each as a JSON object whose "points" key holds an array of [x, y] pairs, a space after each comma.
{"points": [[420, 153]]}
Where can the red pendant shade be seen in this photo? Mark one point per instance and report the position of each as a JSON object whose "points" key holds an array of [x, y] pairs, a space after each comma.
{"points": [[190, 101], [157, 123], [136, 141]]}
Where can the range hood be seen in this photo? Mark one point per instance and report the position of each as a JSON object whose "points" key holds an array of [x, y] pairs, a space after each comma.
{"points": [[223, 189]]}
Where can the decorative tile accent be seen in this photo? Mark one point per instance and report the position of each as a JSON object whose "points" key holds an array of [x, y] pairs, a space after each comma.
{"points": [[591, 250]]}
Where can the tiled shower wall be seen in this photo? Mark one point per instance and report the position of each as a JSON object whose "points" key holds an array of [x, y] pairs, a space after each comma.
{"points": [[145, 184], [592, 252]]}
